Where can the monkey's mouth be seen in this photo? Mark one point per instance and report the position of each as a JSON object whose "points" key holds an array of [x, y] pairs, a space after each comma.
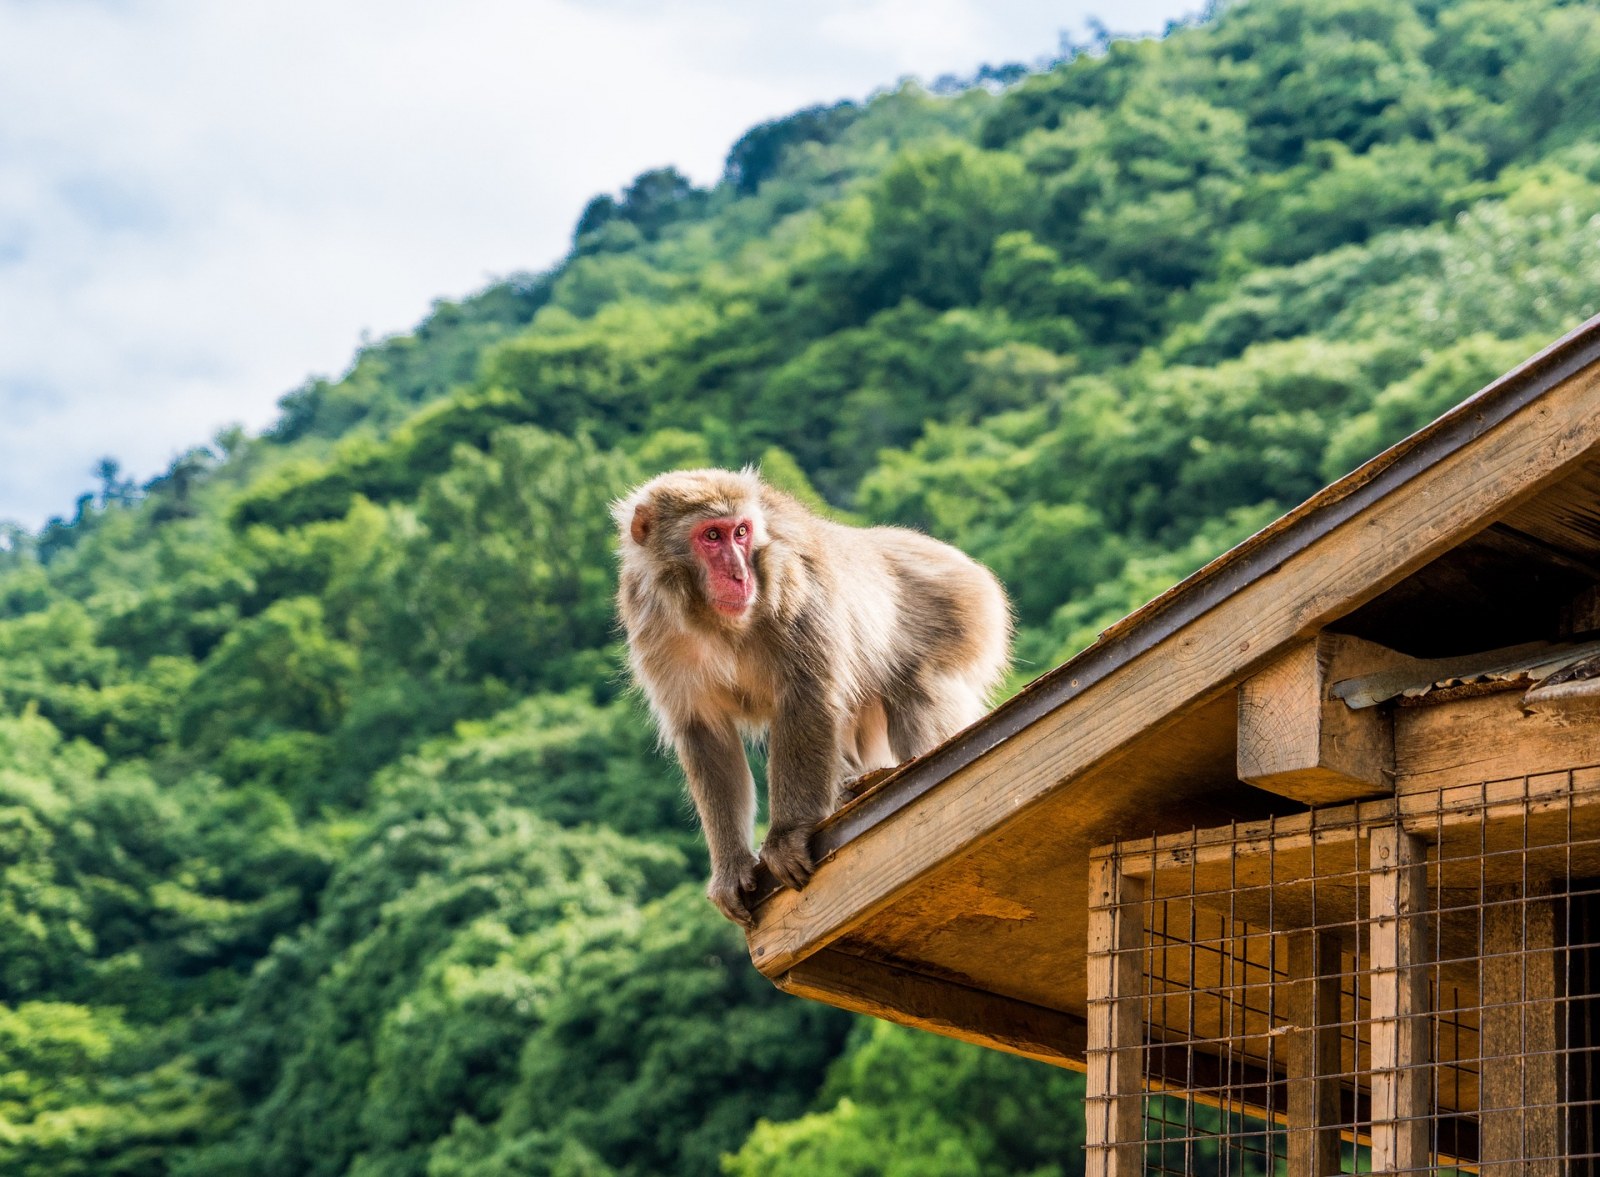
{"points": [[733, 597]]}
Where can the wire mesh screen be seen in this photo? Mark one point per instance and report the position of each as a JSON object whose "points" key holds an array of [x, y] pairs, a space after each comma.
{"points": [[1406, 985]]}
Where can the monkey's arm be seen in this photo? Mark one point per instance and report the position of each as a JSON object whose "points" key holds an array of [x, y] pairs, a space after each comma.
{"points": [[724, 795], [803, 759]]}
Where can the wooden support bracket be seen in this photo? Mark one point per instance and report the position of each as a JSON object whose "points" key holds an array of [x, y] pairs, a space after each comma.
{"points": [[1298, 741]]}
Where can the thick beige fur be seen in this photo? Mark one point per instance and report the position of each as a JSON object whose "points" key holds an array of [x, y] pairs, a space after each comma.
{"points": [[863, 647]]}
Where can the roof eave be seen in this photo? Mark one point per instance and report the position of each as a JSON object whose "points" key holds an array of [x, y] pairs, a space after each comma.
{"points": [[789, 923]]}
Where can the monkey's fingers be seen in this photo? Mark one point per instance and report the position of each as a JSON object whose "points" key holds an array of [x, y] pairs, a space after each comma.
{"points": [[731, 903], [793, 873], [789, 858]]}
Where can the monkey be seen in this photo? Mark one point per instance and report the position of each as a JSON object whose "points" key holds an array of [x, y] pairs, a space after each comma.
{"points": [[847, 649]]}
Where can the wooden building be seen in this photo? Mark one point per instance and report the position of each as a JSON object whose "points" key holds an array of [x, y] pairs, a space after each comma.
{"points": [[1300, 860]]}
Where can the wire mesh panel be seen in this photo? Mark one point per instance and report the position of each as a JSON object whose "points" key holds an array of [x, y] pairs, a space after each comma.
{"points": [[1405, 985]]}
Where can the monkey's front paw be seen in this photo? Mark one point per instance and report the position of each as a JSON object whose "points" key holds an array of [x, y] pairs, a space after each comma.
{"points": [[788, 857], [731, 887]]}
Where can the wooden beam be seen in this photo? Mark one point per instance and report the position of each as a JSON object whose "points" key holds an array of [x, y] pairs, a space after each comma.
{"points": [[1115, 1102], [1544, 807], [1520, 1088], [1297, 740], [1488, 738], [939, 1006], [1315, 1092], [1361, 553], [1401, 1075]]}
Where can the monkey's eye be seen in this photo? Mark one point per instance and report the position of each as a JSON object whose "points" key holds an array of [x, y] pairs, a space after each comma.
{"points": [[741, 531], [713, 535]]}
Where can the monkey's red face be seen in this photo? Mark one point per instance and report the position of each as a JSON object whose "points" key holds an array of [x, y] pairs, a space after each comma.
{"points": [[723, 547]]}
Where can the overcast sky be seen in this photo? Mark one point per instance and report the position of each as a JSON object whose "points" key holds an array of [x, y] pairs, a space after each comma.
{"points": [[203, 203]]}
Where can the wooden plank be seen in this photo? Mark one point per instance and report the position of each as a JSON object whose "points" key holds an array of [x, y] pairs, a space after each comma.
{"points": [[1520, 1090], [1544, 799], [1401, 1076], [1568, 519], [1352, 562], [1314, 1064], [1296, 740], [939, 1006], [1114, 1106], [1487, 738]]}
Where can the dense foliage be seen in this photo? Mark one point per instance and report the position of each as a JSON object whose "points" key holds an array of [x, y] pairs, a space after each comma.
{"points": [[330, 842]]}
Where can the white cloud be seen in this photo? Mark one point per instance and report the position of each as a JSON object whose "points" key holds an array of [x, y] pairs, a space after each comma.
{"points": [[202, 204]]}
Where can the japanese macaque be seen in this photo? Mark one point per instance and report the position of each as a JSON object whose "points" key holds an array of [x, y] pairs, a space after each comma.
{"points": [[848, 649]]}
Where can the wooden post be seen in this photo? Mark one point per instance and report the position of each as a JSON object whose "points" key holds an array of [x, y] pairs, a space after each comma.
{"points": [[1581, 958], [1401, 1076], [1520, 1093], [1115, 1103], [1313, 1054]]}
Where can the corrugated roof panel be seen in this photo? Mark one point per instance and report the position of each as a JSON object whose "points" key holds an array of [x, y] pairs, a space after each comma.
{"points": [[1528, 665]]}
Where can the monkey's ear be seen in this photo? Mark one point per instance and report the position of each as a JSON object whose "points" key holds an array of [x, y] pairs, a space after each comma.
{"points": [[644, 518]]}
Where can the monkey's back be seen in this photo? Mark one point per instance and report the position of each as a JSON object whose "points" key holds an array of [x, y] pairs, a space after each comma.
{"points": [[922, 606]]}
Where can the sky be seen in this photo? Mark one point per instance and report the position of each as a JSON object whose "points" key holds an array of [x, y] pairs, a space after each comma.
{"points": [[203, 204]]}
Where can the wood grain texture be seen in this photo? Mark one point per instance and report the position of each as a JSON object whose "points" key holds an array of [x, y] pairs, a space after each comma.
{"points": [[996, 915], [1521, 1119], [1488, 738], [1402, 1108], [1114, 1106], [939, 1006], [1314, 1054], [1354, 561], [1546, 822], [1297, 740], [1569, 519]]}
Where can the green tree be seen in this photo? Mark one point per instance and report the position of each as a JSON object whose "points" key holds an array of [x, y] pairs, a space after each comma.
{"points": [[908, 1104], [77, 1100], [935, 216], [502, 570]]}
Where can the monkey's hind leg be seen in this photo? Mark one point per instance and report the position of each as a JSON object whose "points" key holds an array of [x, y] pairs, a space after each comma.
{"points": [[873, 758], [923, 715]]}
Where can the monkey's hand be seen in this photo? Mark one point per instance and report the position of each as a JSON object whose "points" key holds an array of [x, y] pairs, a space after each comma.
{"points": [[788, 857], [731, 886]]}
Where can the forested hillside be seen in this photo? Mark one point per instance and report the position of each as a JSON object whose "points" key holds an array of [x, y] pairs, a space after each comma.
{"points": [[332, 844]]}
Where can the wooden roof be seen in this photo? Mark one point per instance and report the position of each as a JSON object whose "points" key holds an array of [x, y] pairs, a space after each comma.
{"points": [[954, 895]]}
